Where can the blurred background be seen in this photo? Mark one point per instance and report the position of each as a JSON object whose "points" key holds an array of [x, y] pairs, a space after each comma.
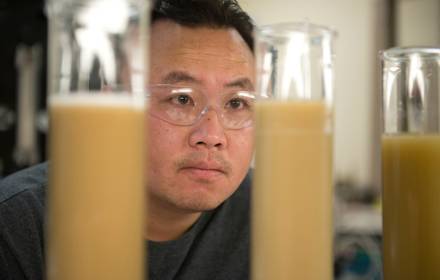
{"points": [[23, 119], [364, 27]]}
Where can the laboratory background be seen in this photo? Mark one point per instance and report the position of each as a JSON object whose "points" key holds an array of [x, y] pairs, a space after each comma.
{"points": [[363, 28]]}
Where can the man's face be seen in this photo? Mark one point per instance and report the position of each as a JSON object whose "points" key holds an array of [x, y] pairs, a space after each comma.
{"points": [[196, 167]]}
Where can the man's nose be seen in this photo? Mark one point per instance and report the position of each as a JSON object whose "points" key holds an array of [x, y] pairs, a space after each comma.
{"points": [[208, 131]]}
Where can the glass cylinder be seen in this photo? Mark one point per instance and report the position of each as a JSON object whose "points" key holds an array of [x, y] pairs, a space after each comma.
{"points": [[97, 68], [410, 163], [292, 229]]}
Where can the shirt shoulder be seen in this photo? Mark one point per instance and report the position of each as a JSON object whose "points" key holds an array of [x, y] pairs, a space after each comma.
{"points": [[32, 179], [22, 209], [22, 200], [22, 195]]}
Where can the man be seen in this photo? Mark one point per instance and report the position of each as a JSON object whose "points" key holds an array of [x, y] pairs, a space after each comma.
{"points": [[201, 136]]}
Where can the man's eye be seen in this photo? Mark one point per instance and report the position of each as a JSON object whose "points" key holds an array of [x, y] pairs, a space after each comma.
{"points": [[236, 103], [239, 103], [181, 99]]}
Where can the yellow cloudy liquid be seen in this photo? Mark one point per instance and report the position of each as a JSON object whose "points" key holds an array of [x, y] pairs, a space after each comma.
{"points": [[96, 188], [411, 207], [292, 196]]}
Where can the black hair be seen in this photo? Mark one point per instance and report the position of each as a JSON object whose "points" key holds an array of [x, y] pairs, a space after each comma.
{"points": [[206, 13]]}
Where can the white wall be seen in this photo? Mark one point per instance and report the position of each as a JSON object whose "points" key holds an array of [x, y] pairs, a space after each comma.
{"points": [[360, 36], [418, 22]]}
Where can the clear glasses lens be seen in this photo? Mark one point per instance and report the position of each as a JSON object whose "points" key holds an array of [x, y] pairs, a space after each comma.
{"points": [[186, 105]]}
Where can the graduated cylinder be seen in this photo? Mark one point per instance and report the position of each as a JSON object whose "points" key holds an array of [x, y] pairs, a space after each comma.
{"points": [[292, 229], [96, 197], [410, 163]]}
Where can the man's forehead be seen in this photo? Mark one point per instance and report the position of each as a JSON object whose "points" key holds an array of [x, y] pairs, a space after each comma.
{"points": [[191, 38], [194, 55]]}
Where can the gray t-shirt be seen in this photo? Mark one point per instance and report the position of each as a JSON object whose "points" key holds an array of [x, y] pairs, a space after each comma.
{"points": [[215, 247]]}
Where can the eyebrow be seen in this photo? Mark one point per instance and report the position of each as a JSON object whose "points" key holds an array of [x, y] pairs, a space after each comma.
{"points": [[244, 83], [178, 77]]}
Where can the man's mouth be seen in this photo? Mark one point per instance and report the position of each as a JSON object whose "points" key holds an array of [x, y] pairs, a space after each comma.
{"points": [[204, 171]]}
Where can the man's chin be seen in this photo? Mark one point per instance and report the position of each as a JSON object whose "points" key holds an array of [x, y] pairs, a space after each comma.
{"points": [[191, 195], [199, 196], [196, 205]]}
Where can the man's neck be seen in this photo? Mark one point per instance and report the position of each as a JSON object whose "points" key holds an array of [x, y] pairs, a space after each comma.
{"points": [[165, 223]]}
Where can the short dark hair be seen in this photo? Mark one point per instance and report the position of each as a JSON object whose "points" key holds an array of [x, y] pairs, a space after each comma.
{"points": [[206, 13]]}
